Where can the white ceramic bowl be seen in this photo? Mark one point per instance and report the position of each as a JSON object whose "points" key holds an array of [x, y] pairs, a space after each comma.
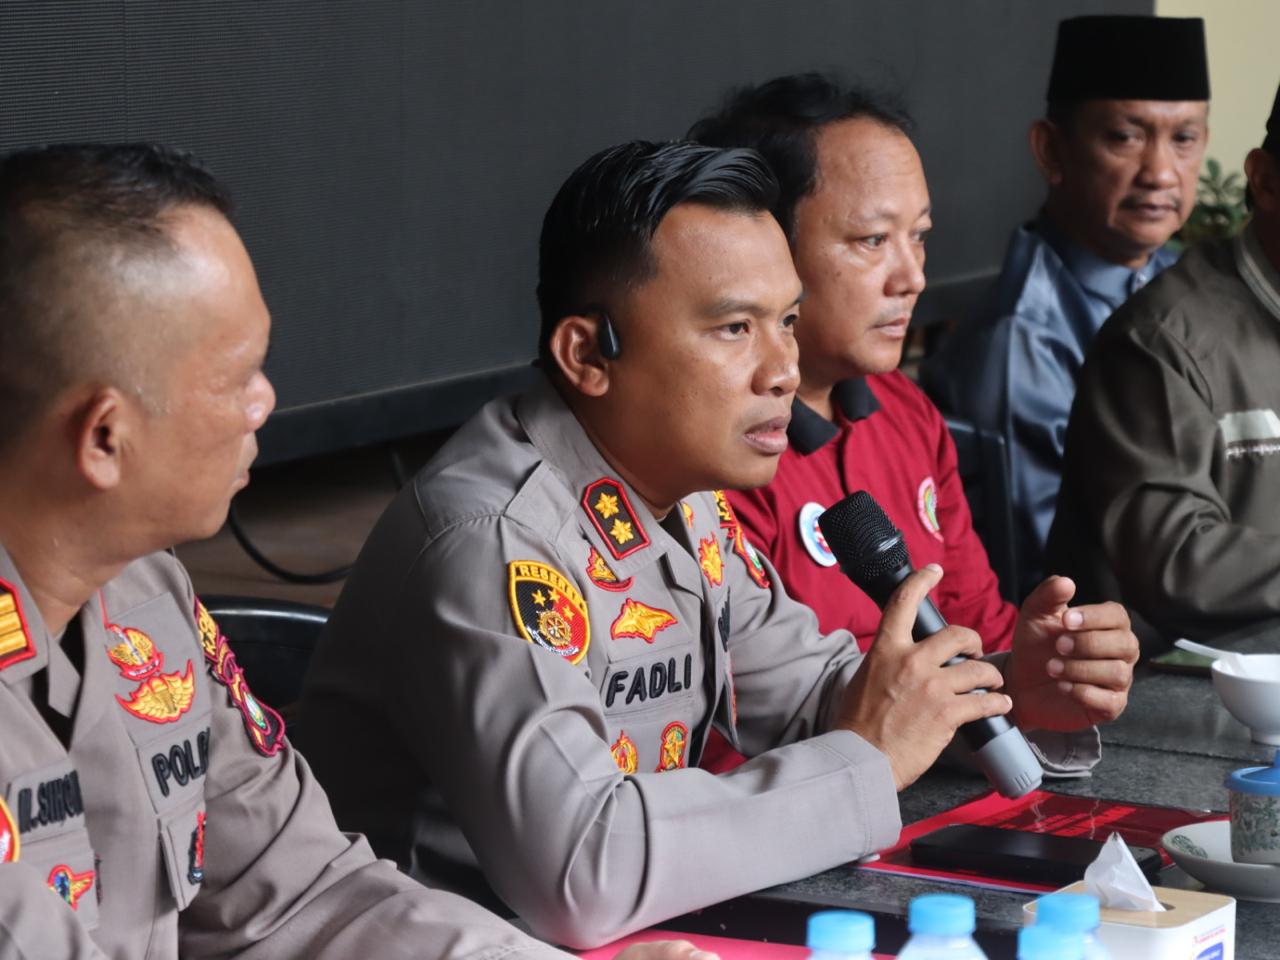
{"points": [[1253, 699]]}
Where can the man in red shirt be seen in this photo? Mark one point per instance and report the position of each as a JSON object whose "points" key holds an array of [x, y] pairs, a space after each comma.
{"points": [[856, 210]]}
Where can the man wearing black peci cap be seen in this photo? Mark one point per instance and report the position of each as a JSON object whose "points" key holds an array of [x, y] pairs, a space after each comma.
{"points": [[1171, 486], [1120, 145]]}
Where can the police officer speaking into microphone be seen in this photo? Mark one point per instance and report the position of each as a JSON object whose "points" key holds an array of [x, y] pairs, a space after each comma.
{"points": [[519, 678]]}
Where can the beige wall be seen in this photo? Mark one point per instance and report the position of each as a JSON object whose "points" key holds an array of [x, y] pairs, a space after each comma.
{"points": [[1244, 68]]}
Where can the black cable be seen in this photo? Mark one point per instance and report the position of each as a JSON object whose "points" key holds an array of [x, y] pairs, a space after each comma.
{"points": [[289, 576]]}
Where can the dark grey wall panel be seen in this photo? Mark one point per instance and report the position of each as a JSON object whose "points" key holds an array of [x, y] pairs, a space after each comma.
{"points": [[392, 158]]}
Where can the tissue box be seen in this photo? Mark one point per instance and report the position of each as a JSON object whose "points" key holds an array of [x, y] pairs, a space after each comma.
{"points": [[1194, 926]]}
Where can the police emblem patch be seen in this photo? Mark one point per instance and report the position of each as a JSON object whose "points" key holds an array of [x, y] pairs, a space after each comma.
{"points": [[711, 561], [815, 544], [265, 727], [16, 644], [10, 837], [927, 507], [599, 573], [624, 753], [639, 620], [160, 697], [611, 513], [548, 609], [744, 549], [675, 740], [69, 885]]}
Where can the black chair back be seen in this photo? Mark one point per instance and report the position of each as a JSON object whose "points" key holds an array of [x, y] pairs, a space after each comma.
{"points": [[272, 641], [984, 470]]}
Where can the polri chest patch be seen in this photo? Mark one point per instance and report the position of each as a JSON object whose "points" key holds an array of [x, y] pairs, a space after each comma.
{"points": [[548, 609], [640, 620], [159, 697], [815, 544]]}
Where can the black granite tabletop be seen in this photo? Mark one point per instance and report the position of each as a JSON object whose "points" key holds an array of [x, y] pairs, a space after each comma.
{"points": [[1172, 747]]}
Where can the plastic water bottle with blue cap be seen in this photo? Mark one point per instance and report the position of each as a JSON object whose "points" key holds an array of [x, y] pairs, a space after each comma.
{"points": [[1049, 943], [941, 926], [1074, 913], [840, 935]]}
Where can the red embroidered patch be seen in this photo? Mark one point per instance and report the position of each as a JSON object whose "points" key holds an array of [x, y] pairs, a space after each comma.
{"points": [[159, 697], [723, 509], [743, 548], [10, 838], [614, 518], [263, 725], [675, 740], [195, 853], [711, 561], [16, 644], [68, 885], [640, 620], [625, 754], [599, 573]]}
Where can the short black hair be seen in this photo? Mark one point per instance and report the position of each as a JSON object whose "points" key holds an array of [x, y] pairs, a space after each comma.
{"points": [[780, 119], [596, 234], [59, 205]]}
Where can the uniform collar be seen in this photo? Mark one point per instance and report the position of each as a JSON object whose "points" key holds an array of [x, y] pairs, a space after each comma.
{"points": [[810, 431], [619, 526], [24, 640], [1258, 272], [1113, 283]]}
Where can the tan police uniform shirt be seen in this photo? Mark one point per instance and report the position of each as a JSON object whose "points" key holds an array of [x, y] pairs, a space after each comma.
{"points": [[179, 820], [523, 653], [1171, 497]]}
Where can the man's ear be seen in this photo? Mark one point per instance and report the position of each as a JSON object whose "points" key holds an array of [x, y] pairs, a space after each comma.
{"points": [[1262, 170], [102, 429], [1045, 140], [575, 346]]}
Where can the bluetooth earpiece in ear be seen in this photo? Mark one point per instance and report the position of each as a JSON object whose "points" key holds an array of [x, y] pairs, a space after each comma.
{"points": [[607, 338]]}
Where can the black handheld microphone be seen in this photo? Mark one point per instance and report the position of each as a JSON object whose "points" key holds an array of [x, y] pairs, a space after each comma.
{"points": [[873, 555]]}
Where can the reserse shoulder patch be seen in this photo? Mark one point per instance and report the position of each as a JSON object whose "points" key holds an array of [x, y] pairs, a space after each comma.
{"points": [[548, 609], [263, 725]]}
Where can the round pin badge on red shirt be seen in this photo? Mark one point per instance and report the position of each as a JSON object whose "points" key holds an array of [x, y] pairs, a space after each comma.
{"points": [[811, 536], [927, 507]]}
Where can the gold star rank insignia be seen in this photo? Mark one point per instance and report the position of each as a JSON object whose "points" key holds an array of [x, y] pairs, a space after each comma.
{"points": [[640, 620], [710, 560], [548, 609], [606, 500]]}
